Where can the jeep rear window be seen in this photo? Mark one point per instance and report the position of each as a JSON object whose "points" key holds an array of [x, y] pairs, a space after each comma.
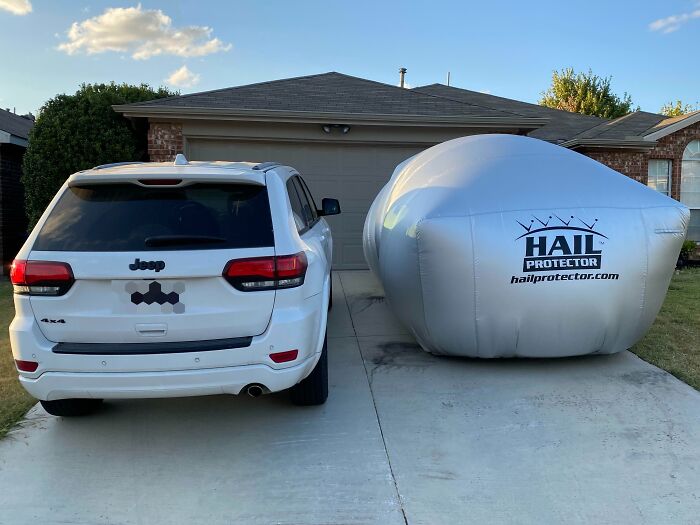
{"points": [[129, 217]]}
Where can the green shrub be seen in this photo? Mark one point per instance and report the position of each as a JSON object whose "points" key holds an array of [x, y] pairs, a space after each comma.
{"points": [[687, 249], [77, 132]]}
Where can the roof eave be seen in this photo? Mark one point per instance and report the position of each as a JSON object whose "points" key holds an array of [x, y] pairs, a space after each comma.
{"points": [[672, 128], [8, 138], [377, 119], [630, 144]]}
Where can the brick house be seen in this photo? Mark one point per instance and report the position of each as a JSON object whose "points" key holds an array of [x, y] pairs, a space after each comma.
{"points": [[346, 134], [14, 133]]}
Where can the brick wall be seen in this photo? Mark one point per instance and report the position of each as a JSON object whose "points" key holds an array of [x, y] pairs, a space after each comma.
{"points": [[672, 147], [635, 164], [13, 220], [164, 141]]}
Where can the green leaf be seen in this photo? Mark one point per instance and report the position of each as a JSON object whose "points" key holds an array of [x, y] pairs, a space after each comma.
{"points": [[77, 132]]}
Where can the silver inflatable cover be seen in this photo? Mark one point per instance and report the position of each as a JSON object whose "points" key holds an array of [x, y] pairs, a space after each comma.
{"points": [[502, 245]]}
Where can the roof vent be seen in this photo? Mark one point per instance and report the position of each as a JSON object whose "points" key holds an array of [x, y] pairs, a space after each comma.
{"points": [[402, 77], [180, 160]]}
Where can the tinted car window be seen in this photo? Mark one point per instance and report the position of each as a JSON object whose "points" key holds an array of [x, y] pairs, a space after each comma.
{"points": [[310, 198], [129, 217], [308, 214], [297, 206]]}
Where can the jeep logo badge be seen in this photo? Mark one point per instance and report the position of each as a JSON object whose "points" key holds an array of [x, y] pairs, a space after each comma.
{"points": [[138, 264]]}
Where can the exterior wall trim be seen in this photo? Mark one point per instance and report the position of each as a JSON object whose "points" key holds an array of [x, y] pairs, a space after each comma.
{"points": [[609, 143], [185, 113], [8, 138], [677, 126]]}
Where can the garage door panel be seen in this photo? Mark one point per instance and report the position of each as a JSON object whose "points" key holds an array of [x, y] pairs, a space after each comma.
{"points": [[353, 174], [353, 257], [354, 223]]}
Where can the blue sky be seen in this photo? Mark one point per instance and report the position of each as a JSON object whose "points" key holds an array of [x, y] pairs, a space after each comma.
{"points": [[504, 48]]}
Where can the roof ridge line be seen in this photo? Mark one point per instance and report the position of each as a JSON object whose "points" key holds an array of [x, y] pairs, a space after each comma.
{"points": [[412, 93], [415, 91], [512, 100], [234, 87], [612, 123], [470, 103]]}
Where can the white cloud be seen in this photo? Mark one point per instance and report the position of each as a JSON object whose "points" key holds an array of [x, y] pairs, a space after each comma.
{"points": [[16, 7], [183, 77], [142, 32], [674, 22]]}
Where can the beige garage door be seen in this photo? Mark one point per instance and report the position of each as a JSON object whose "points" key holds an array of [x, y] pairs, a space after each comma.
{"points": [[353, 174]]}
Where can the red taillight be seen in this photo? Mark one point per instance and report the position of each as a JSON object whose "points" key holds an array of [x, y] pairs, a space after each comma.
{"points": [[284, 357], [267, 273], [17, 272], [41, 277], [26, 366]]}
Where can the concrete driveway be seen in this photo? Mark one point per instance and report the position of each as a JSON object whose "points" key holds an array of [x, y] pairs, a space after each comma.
{"points": [[404, 438]]}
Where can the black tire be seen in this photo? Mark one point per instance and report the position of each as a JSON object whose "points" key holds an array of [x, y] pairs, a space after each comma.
{"points": [[313, 390], [71, 407]]}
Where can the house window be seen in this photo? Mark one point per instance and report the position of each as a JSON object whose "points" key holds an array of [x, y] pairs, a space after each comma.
{"points": [[690, 187], [660, 175]]}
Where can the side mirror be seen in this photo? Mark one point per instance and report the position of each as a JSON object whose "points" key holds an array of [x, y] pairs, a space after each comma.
{"points": [[329, 207]]}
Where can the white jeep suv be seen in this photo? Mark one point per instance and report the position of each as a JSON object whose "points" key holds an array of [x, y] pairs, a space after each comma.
{"points": [[166, 280]]}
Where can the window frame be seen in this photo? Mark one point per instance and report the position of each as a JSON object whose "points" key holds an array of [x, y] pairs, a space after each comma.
{"points": [[669, 175], [685, 161], [303, 198], [291, 194], [314, 207]]}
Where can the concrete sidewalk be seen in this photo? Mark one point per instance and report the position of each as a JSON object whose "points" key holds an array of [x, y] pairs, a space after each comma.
{"points": [[405, 437]]}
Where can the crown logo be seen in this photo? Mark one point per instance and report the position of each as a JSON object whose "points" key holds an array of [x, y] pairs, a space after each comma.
{"points": [[555, 222]]}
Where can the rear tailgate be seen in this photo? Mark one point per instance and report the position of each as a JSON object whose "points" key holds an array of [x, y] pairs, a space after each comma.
{"points": [[187, 300], [148, 262]]}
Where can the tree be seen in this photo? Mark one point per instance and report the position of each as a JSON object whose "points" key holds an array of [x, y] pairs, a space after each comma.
{"points": [[77, 132], [585, 93], [677, 108]]}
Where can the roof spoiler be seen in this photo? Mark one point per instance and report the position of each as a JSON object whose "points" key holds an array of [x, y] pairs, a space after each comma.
{"points": [[114, 164]]}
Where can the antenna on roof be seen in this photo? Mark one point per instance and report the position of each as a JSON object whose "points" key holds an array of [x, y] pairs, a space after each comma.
{"points": [[180, 160]]}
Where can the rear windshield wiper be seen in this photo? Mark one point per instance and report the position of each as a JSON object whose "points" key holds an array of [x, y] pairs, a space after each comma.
{"points": [[173, 240]]}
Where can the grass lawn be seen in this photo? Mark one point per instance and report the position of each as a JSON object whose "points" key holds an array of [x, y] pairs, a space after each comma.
{"points": [[673, 343], [14, 401]]}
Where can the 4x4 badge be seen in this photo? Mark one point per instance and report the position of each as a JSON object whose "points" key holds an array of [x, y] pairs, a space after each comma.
{"points": [[138, 264]]}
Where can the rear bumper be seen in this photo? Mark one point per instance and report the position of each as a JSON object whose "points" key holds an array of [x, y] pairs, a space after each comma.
{"points": [[59, 376], [181, 383]]}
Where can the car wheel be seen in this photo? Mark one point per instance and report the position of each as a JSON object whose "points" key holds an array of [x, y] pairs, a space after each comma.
{"points": [[71, 407], [313, 390]]}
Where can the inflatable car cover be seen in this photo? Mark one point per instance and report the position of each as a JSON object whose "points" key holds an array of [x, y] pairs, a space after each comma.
{"points": [[503, 245]]}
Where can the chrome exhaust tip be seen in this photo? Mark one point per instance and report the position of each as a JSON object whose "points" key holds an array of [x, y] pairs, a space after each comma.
{"points": [[254, 390]]}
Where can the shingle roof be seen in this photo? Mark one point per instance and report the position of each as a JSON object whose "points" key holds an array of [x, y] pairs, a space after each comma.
{"points": [[335, 94], [563, 125], [632, 125], [15, 124], [669, 121], [328, 93]]}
